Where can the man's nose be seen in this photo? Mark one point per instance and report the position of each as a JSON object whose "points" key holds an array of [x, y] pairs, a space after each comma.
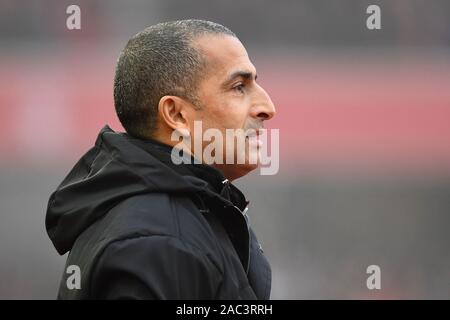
{"points": [[263, 107]]}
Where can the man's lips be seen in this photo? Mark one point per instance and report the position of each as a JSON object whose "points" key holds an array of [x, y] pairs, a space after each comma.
{"points": [[253, 133], [253, 137]]}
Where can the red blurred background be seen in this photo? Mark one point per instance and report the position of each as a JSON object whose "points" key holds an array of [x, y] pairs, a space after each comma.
{"points": [[364, 135]]}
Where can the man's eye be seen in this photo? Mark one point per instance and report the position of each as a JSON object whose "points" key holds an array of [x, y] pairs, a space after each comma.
{"points": [[239, 87]]}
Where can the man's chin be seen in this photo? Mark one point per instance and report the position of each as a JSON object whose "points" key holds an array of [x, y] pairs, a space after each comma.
{"points": [[248, 167], [236, 171]]}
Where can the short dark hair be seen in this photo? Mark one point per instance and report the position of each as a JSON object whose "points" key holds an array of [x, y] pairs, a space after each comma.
{"points": [[159, 61]]}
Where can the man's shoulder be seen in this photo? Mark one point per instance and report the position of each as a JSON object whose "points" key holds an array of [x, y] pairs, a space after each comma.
{"points": [[143, 229], [157, 214]]}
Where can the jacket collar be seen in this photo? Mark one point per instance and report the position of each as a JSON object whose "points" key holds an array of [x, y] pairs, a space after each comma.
{"points": [[233, 205], [217, 183]]}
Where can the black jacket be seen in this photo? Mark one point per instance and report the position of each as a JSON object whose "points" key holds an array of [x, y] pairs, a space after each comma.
{"points": [[140, 227]]}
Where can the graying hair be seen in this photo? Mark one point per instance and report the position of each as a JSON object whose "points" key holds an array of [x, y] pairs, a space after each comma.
{"points": [[159, 61]]}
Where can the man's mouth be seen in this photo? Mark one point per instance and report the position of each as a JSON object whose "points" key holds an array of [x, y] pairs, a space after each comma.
{"points": [[254, 137], [253, 132]]}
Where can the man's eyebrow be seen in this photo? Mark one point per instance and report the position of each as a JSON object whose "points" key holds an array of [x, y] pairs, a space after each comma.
{"points": [[247, 75]]}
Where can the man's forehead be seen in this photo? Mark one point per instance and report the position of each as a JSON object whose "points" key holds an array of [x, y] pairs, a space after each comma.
{"points": [[225, 54]]}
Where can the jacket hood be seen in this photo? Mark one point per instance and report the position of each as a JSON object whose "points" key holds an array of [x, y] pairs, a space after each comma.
{"points": [[113, 170]]}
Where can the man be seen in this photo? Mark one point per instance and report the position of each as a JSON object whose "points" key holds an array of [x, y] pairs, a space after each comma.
{"points": [[137, 224]]}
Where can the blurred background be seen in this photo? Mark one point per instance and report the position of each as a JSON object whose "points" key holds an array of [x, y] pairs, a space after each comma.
{"points": [[364, 119]]}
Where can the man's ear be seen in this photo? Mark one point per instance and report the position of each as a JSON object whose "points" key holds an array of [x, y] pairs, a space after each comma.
{"points": [[173, 113]]}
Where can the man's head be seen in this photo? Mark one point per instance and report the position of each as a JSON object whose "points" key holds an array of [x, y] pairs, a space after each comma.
{"points": [[175, 73]]}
